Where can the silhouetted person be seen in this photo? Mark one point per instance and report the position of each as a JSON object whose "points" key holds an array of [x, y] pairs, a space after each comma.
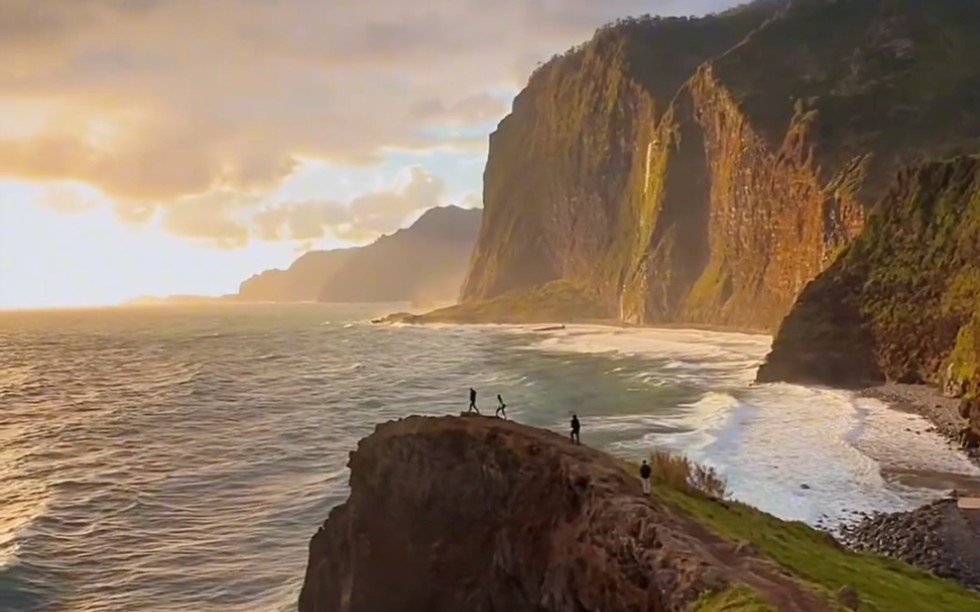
{"points": [[502, 408], [645, 472], [576, 426], [473, 407]]}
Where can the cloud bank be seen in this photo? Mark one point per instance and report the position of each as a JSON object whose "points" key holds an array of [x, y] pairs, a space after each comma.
{"points": [[189, 111]]}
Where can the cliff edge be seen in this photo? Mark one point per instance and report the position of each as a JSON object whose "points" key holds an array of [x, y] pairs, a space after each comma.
{"points": [[479, 514], [901, 303]]}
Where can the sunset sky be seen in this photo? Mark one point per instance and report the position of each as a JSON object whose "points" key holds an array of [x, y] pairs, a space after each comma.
{"points": [[153, 147]]}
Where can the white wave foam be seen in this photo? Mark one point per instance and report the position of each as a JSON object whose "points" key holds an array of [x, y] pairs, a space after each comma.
{"points": [[800, 453]]}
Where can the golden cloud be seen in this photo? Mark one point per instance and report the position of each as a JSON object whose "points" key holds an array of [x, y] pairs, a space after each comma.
{"points": [[166, 105]]}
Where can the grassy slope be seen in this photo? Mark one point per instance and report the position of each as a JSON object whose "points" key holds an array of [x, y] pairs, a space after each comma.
{"points": [[736, 598], [883, 585]]}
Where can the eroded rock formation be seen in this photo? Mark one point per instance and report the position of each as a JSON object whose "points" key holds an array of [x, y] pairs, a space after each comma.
{"points": [[484, 515]]}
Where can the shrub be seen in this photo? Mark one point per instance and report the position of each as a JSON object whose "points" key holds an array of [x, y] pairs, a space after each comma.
{"points": [[680, 473]]}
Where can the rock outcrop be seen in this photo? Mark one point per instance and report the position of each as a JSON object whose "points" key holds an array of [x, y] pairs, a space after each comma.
{"points": [[704, 170], [423, 263], [485, 515], [901, 303]]}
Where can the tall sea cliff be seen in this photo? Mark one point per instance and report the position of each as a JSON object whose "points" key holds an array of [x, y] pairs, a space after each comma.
{"points": [[903, 302], [705, 170]]}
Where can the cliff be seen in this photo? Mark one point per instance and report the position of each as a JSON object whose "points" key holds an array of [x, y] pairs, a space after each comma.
{"points": [[484, 515], [704, 170], [301, 282], [425, 262], [901, 303]]}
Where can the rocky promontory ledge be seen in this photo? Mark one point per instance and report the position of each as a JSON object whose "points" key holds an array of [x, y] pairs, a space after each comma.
{"points": [[484, 515]]}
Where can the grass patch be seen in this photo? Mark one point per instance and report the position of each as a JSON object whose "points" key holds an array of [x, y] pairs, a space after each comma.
{"points": [[813, 557], [736, 598]]}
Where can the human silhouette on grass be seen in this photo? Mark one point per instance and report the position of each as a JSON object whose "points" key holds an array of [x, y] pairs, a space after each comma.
{"points": [[576, 428], [473, 407]]}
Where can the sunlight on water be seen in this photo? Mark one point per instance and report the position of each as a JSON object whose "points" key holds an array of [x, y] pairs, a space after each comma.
{"points": [[176, 459]]}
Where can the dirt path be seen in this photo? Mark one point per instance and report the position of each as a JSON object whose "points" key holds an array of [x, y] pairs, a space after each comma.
{"points": [[784, 592]]}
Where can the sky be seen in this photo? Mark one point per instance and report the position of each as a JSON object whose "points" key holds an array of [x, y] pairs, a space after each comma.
{"points": [[158, 147]]}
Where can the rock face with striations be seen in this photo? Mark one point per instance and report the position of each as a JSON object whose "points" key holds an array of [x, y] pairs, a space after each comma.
{"points": [[484, 515], [704, 170], [902, 302]]}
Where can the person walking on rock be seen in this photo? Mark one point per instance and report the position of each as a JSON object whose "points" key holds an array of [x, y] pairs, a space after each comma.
{"points": [[645, 477], [473, 407], [502, 408], [576, 427]]}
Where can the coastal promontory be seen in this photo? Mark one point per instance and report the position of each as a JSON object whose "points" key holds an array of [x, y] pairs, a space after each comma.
{"points": [[485, 515]]}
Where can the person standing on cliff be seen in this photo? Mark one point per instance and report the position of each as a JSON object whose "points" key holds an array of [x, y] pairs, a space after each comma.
{"points": [[473, 407], [645, 472], [576, 427], [502, 408]]}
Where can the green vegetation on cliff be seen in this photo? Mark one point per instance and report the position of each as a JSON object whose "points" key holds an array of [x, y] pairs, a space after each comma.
{"points": [[522, 519], [812, 557], [704, 170], [902, 302]]}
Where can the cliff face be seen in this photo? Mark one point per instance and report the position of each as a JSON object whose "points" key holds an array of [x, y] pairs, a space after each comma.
{"points": [[426, 262], [902, 302], [704, 170], [485, 515]]}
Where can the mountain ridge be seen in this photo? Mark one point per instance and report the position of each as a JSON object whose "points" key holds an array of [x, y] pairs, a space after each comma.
{"points": [[427, 257]]}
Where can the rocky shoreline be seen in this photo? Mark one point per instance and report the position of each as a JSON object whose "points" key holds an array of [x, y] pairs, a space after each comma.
{"points": [[940, 538], [943, 412]]}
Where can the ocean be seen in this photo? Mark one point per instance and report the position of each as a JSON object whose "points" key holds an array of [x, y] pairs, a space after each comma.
{"points": [[179, 458]]}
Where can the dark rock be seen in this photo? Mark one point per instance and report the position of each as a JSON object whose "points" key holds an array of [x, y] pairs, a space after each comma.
{"points": [[935, 537], [440, 520]]}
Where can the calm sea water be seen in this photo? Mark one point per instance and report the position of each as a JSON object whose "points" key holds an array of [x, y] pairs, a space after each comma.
{"points": [[179, 459]]}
